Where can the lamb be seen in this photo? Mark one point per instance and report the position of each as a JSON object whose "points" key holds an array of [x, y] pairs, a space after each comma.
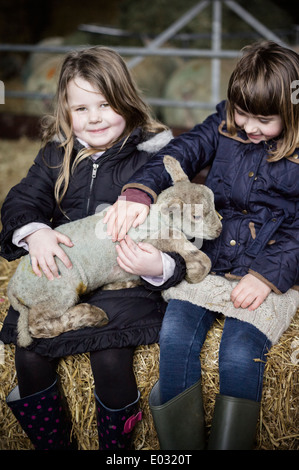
{"points": [[49, 308]]}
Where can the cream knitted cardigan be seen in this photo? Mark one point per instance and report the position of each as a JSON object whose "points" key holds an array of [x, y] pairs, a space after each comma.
{"points": [[272, 318]]}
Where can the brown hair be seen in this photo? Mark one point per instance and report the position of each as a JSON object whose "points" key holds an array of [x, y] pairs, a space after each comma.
{"points": [[261, 84], [106, 71]]}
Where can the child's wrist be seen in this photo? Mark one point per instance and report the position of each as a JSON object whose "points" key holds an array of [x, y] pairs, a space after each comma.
{"points": [[137, 195]]}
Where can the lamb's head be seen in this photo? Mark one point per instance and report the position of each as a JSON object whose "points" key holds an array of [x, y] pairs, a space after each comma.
{"points": [[188, 206]]}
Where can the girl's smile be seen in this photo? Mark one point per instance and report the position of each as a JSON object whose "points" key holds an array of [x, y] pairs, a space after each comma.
{"points": [[258, 128], [94, 121]]}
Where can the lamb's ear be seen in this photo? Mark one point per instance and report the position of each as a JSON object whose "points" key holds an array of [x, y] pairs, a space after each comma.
{"points": [[174, 169]]}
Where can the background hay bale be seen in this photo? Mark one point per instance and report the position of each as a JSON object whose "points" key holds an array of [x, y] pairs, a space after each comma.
{"points": [[16, 157], [278, 426], [193, 82]]}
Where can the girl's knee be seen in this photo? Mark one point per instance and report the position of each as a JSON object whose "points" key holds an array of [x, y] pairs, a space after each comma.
{"points": [[242, 341], [242, 359]]}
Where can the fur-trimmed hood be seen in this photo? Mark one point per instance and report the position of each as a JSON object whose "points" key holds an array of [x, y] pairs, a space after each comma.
{"points": [[150, 145], [156, 143]]}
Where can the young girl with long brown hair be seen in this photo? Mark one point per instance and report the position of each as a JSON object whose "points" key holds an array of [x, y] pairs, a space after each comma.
{"points": [[100, 134]]}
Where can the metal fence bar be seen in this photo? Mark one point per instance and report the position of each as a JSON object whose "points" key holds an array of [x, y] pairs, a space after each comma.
{"points": [[37, 48], [180, 104], [216, 47], [151, 101], [126, 51], [110, 31], [33, 95], [252, 21]]}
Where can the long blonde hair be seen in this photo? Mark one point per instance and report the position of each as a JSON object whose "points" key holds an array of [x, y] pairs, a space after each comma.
{"points": [[261, 84], [106, 71]]}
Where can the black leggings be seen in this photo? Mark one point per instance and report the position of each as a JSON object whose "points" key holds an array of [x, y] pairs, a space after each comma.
{"points": [[115, 383]]}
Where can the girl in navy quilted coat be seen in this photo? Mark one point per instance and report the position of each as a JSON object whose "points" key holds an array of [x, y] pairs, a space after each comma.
{"points": [[251, 144]]}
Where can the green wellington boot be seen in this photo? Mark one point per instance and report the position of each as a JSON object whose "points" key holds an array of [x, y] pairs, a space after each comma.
{"points": [[234, 424], [180, 421]]}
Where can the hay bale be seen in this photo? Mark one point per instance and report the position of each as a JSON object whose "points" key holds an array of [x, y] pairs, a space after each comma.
{"points": [[43, 80], [16, 157], [278, 425], [41, 76], [192, 82]]}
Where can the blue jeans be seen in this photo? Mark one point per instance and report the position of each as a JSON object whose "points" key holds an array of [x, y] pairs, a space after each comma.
{"points": [[182, 336]]}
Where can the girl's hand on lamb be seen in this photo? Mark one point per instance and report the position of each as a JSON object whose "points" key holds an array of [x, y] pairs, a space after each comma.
{"points": [[142, 259], [250, 293], [43, 245], [122, 216]]}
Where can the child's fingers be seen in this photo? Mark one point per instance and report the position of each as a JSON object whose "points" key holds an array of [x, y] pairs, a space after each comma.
{"points": [[123, 227], [114, 218], [141, 217], [62, 238], [257, 302], [110, 222], [46, 269], [124, 266], [126, 254], [63, 257], [130, 244], [35, 266], [147, 247], [108, 214]]}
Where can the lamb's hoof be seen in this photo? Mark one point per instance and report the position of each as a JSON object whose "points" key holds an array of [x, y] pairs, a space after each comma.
{"points": [[24, 340], [196, 273], [100, 317]]}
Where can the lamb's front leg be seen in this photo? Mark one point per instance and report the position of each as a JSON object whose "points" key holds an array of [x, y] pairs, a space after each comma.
{"points": [[198, 264]]}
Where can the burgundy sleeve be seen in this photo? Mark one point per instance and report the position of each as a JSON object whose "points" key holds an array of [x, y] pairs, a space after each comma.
{"points": [[136, 195]]}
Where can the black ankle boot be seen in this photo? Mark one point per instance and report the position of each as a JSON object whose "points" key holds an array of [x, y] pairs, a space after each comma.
{"points": [[44, 417]]}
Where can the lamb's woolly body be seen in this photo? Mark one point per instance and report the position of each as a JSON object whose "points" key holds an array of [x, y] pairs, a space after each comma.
{"points": [[48, 308]]}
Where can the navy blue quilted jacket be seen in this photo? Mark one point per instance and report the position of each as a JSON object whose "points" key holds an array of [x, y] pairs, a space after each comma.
{"points": [[258, 200]]}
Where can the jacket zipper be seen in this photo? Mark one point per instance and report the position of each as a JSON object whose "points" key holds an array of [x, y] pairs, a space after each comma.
{"points": [[95, 167]]}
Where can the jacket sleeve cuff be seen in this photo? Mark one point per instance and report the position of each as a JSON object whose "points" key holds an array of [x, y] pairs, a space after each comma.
{"points": [[23, 232], [140, 191], [177, 276], [8, 249], [168, 270], [263, 279]]}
